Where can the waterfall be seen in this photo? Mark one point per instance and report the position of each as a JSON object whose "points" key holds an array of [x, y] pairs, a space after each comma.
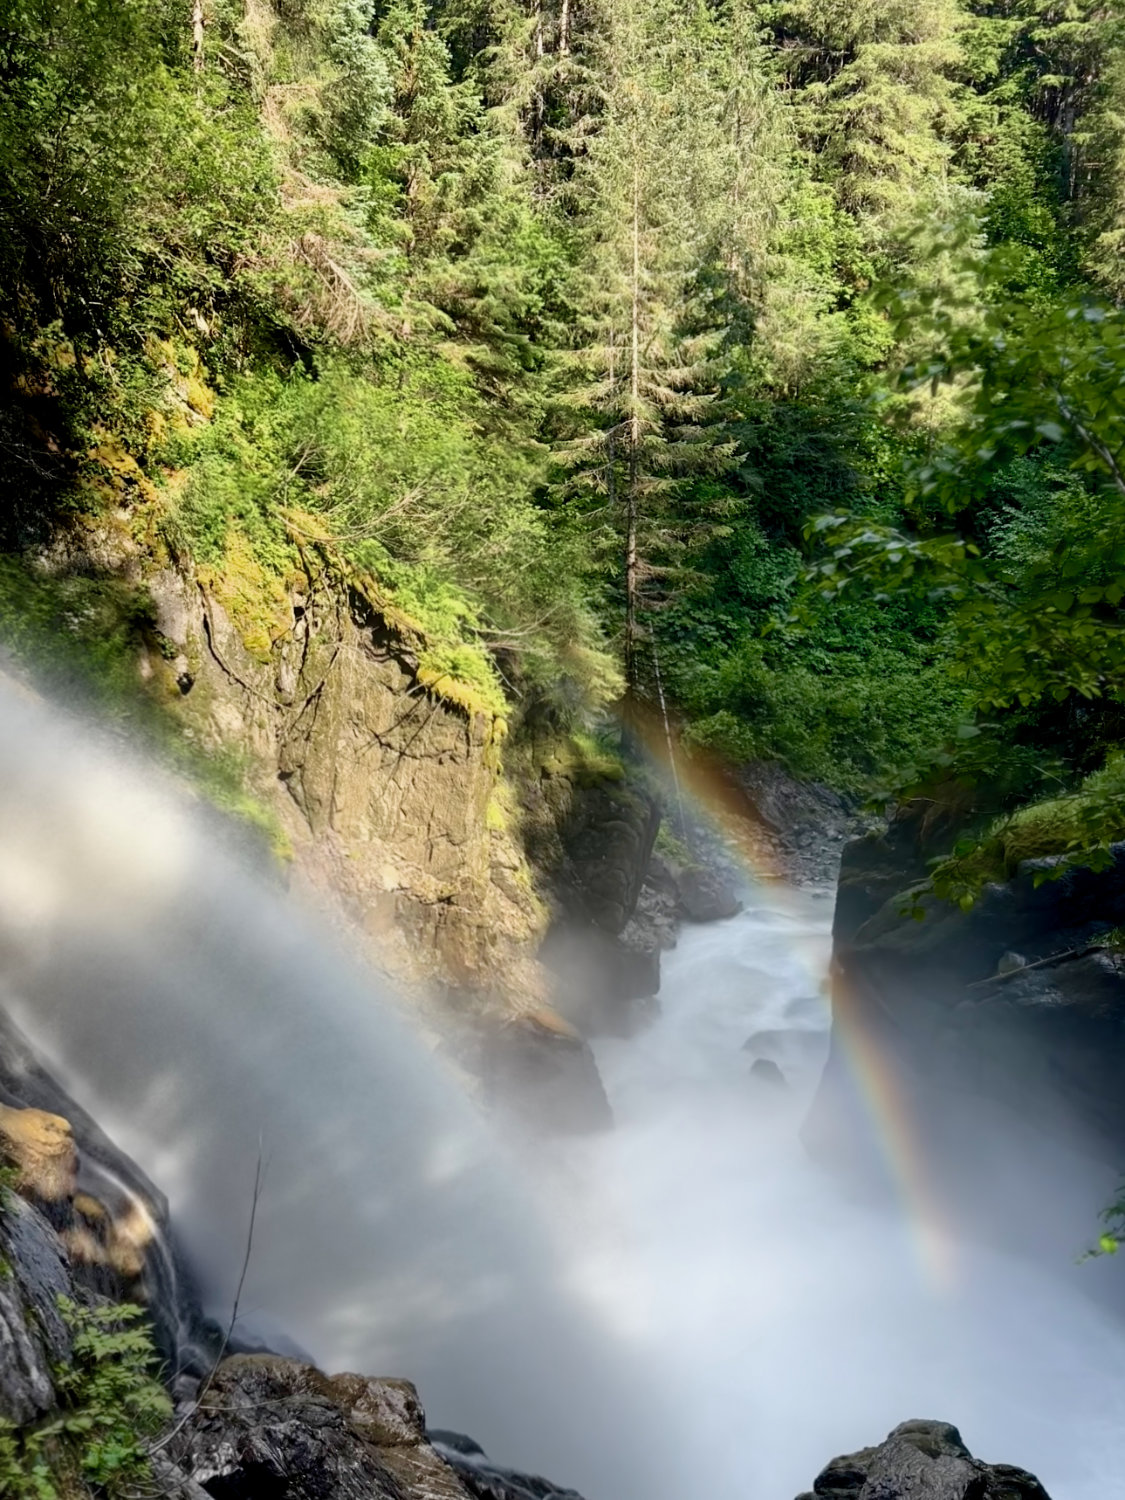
{"points": [[683, 1306], [201, 1020]]}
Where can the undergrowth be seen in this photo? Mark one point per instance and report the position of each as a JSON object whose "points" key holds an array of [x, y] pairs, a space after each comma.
{"points": [[1076, 828], [109, 1402]]}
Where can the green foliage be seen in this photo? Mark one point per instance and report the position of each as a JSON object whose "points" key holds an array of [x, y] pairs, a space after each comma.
{"points": [[109, 1403], [570, 332], [80, 636], [1112, 1237], [1077, 827]]}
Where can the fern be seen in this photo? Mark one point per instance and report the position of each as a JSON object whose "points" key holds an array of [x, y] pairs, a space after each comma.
{"points": [[109, 1402]]}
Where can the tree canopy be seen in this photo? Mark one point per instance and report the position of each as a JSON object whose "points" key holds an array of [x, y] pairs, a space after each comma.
{"points": [[775, 343]]}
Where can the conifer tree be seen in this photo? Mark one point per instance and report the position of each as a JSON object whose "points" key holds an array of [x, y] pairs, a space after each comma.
{"points": [[650, 184], [874, 88]]}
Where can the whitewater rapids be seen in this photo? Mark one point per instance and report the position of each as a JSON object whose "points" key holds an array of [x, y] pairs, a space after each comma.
{"points": [[681, 1307]]}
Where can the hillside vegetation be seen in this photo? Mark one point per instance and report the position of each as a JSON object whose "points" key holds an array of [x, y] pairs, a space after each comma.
{"points": [[766, 352]]}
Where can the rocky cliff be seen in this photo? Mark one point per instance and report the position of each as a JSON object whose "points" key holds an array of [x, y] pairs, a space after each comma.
{"points": [[392, 796], [1003, 1026]]}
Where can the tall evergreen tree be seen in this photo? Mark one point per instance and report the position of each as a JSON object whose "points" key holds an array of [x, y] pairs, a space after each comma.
{"points": [[650, 182], [873, 82]]}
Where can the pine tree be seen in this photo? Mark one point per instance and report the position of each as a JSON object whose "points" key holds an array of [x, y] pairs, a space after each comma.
{"points": [[650, 184], [873, 88]]}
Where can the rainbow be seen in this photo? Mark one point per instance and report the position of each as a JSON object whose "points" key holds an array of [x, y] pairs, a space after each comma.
{"points": [[705, 783]]}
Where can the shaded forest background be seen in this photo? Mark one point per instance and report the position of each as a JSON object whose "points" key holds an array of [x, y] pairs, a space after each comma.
{"points": [[764, 355]]}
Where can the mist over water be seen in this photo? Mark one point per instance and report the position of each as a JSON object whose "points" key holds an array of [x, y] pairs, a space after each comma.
{"points": [[796, 1323], [685, 1306], [198, 1017]]}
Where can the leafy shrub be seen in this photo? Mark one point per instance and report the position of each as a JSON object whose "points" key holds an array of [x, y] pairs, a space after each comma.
{"points": [[109, 1402]]}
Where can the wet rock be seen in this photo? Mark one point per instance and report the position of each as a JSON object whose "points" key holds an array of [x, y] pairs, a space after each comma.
{"points": [[33, 1336], [593, 851], [591, 837], [488, 1481], [1011, 1071], [112, 1223], [541, 1067], [274, 1426], [799, 1053], [922, 1461], [703, 896], [703, 892]]}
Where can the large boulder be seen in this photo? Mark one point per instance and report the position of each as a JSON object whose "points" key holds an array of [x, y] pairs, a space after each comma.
{"points": [[543, 1069], [1003, 1028], [922, 1461], [267, 1425], [698, 892]]}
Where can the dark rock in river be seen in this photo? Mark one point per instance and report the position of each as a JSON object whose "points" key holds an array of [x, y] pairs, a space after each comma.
{"points": [[702, 895], [488, 1481], [768, 1073], [542, 1068], [922, 1461]]}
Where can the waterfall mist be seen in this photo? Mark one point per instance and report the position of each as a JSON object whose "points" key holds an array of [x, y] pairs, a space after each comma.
{"points": [[805, 1322], [200, 1019], [683, 1306]]}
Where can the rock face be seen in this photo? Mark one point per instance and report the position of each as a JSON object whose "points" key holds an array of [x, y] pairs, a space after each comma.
{"points": [[1003, 1027], [802, 826], [274, 1426], [33, 1336], [922, 1461], [105, 1217], [382, 775], [593, 842]]}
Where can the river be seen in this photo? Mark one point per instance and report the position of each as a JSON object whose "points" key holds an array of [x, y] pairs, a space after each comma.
{"points": [[682, 1306], [795, 1321]]}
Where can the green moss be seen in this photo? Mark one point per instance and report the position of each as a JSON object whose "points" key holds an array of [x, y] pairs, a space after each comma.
{"points": [[583, 759], [1076, 828], [81, 639], [462, 674], [673, 848]]}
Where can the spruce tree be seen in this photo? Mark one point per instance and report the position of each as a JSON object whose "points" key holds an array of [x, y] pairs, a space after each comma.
{"points": [[873, 85], [650, 183]]}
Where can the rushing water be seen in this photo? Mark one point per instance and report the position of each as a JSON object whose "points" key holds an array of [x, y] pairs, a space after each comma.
{"points": [[795, 1323], [684, 1306]]}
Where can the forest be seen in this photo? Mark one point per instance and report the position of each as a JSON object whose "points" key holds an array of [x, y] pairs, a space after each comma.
{"points": [[424, 426], [760, 357]]}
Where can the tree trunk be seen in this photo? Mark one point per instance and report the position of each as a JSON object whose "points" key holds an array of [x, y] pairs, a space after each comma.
{"points": [[539, 105], [632, 506], [564, 28], [197, 35]]}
